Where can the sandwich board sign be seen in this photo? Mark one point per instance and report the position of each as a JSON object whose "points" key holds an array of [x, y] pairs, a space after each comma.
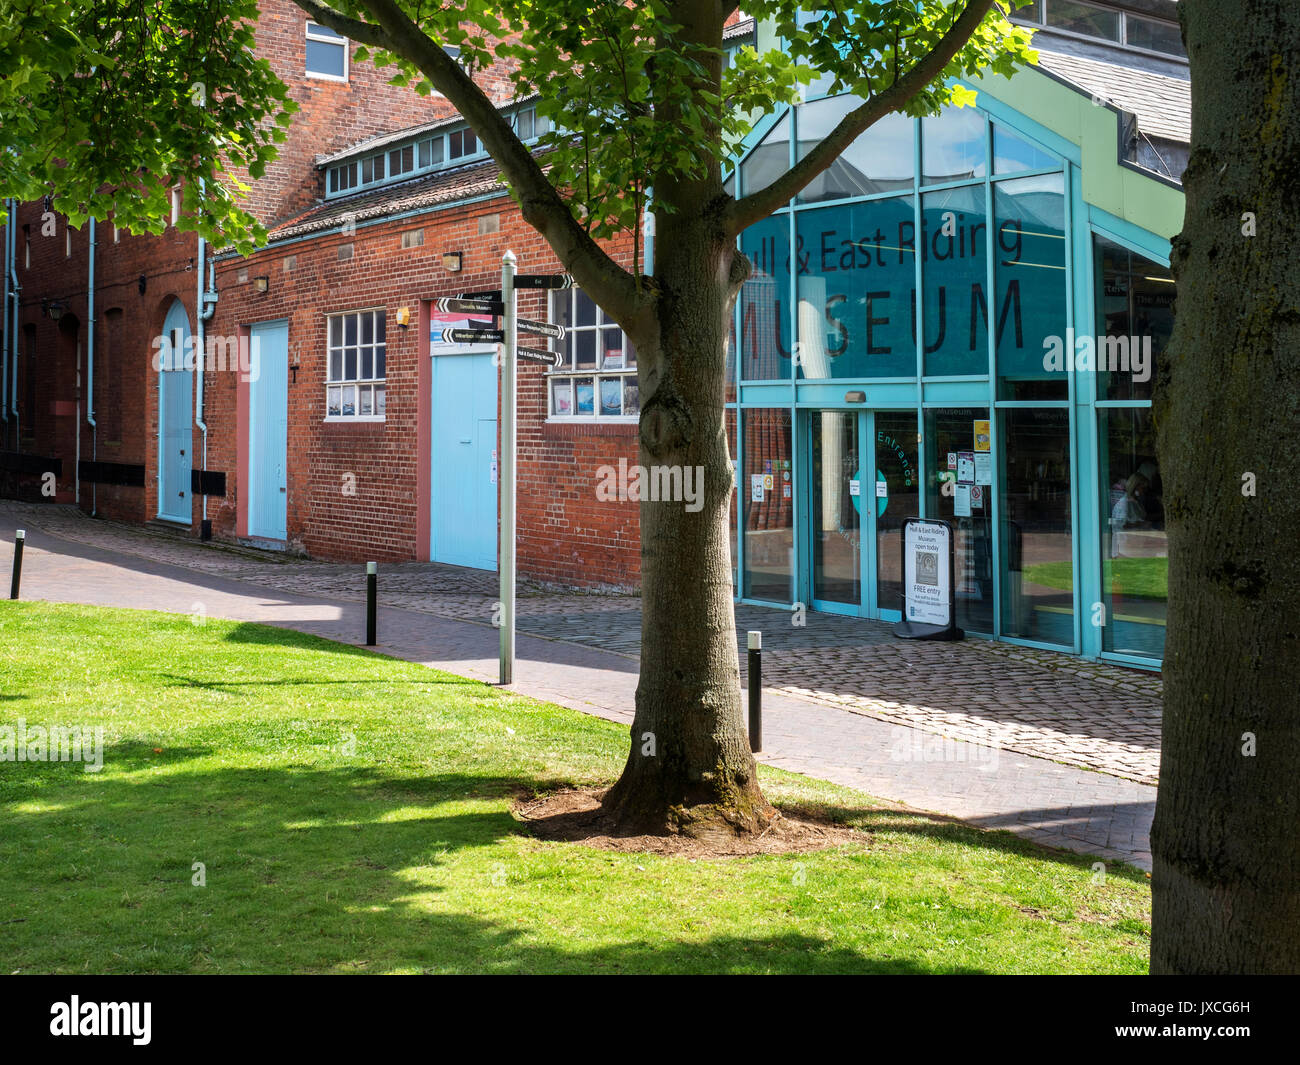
{"points": [[928, 582]]}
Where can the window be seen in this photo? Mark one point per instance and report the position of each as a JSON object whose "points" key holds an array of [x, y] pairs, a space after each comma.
{"points": [[401, 161], [327, 53], [1087, 19], [354, 386], [1100, 22], [461, 143], [597, 378]]}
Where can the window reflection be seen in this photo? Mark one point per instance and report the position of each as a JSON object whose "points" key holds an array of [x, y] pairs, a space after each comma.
{"points": [[1135, 549], [1135, 317], [769, 505], [1030, 275], [1037, 545], [1012, 154], [952, 146], [764, 301], [769, 160], [881, 160]]}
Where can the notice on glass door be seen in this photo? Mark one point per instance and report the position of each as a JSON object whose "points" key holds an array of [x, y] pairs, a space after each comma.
{"points": [[961, 501], [983, 467]]}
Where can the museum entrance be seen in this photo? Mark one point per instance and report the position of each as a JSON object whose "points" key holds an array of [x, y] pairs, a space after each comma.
{"points": [[865, 481]]}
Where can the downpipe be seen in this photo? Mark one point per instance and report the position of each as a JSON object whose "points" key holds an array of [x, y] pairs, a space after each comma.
{"points": [[90, 373]]}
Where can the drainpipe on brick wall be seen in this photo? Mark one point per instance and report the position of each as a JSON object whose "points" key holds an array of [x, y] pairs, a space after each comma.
{"points": [[15, 293], [90, 371], [4, 329], [207, 305]]}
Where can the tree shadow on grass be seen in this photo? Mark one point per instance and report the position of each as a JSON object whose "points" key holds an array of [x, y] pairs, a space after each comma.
{"points": [[174, 680], [343, 869], [946, 829]]}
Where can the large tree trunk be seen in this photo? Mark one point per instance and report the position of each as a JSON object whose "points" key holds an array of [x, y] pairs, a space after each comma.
{"points": [[1226, 838], [690, 767]]}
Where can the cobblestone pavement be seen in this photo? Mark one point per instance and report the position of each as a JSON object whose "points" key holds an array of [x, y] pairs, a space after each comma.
{"points": [[1042, 703], [889, 743]]}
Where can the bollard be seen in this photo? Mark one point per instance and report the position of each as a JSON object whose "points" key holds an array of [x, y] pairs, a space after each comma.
{"points": [[19, 537], [755, 690], [372, 583]]}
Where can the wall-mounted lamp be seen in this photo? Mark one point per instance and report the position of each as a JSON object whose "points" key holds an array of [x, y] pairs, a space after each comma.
{"points": [[53, 310], [451, 261], [403, 316], [261, 284]]}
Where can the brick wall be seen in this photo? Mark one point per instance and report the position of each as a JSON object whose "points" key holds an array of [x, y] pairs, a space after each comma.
{"points": [[566, 534]]}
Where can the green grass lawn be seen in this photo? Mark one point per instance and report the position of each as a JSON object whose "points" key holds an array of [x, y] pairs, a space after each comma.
{"points": [[1138, 578], [232, 745]]}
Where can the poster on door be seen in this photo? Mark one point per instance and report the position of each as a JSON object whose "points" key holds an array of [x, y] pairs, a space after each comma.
{"points": [[927, 547]]}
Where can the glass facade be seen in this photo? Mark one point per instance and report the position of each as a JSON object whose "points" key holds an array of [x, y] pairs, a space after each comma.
{"points": [[937, 328]]}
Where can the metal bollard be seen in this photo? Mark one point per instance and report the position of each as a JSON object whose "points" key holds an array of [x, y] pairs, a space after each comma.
{"points": [[755, 690], [372, 590], [20, 538]]}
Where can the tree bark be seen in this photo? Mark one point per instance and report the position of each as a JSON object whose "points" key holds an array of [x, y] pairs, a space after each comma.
{"points": [[1226, 837], [690, 768]]}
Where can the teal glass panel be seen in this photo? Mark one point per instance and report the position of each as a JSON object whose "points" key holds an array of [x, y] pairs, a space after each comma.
{"points": [[765, 344], [954, 269], [1030, 274], [856, 266]]}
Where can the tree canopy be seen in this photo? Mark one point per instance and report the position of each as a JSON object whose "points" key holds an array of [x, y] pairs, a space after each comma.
{"points": [[105, 105]]}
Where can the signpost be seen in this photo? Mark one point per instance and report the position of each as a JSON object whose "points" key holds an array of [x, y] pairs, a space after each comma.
{"points": [[503, 304], [928, 582]]}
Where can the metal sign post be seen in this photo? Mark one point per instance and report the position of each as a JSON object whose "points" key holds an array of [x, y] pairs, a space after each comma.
{"points": [[509, 395]]}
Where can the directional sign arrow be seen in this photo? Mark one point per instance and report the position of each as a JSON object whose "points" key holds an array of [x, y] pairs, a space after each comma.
{"points": [[544, 281], [463, 305], [552, 358], [541, 329], [468, 336]]}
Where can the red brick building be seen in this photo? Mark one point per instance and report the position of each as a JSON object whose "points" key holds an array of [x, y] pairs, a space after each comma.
{"points": [[320, 418]]}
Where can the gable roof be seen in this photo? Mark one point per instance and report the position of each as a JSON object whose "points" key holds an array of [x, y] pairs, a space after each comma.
{"points": [[1163, 105]]}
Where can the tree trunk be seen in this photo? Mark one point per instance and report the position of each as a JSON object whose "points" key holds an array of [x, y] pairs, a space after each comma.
{"points": [[690, 767], [1226, 838]]}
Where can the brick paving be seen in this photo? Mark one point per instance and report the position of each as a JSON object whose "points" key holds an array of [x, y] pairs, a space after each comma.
{"points": [[1055, 748]]}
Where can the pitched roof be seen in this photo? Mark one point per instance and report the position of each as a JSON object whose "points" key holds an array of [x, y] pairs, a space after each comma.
{"points": [[431, 190], [1162, 104]]}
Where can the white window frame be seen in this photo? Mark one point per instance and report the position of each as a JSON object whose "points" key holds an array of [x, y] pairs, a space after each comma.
{"points": [[358, 382], [328, 37], [597, 374]]}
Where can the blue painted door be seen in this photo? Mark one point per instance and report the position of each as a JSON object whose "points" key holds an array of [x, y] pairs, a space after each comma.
{"points": [[463, 528], [268, 429], [175, 419]]}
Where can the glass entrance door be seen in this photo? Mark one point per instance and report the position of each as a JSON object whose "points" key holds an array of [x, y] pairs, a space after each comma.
{"points": [[836, 511], [864, 483]]}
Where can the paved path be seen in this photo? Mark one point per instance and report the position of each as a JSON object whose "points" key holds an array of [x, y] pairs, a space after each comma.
{"points": [[833, 736]]}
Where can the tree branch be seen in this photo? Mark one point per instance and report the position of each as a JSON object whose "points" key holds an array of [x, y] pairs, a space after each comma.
{"points": [[758, 205], [611, 286], [351, 28]]}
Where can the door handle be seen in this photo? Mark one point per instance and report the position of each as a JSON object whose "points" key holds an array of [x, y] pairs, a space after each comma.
{"points": [[466, 440]]}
